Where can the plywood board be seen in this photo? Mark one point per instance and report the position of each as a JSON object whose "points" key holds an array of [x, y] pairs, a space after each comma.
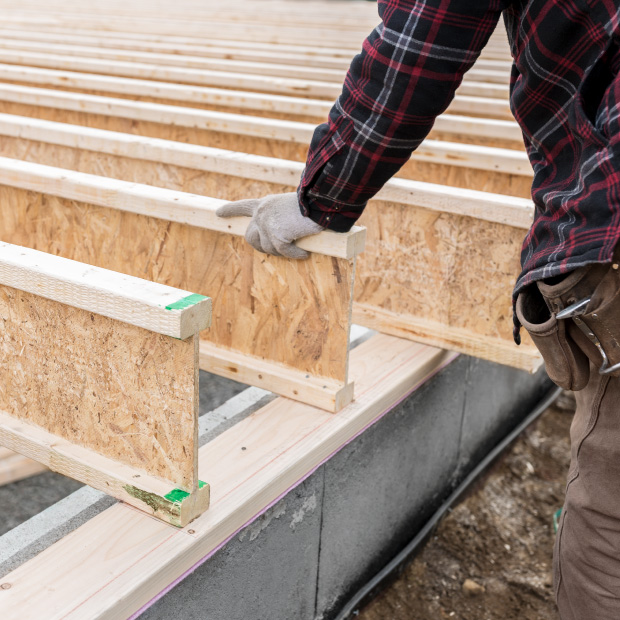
{"points": [[442, 278], [297, 313], [121, 390]]}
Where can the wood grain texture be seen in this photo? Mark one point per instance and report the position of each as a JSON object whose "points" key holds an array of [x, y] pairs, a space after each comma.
{"points": [[439, 269], [135, 487], [293, 312], [151, 306], [121, 390], [121, 559]]}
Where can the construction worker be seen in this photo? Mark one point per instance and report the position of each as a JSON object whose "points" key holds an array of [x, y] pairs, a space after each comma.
{"points": [[565, 94]]}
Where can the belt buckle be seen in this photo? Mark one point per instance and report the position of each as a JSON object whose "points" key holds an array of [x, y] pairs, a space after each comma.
{"points": [[575, 311]]}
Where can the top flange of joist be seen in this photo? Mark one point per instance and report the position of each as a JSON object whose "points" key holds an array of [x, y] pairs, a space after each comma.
{"points": [[157, 202], [155, 307]]}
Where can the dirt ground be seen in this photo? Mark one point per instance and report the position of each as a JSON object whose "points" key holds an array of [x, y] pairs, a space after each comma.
{"points": [[500, 538]]}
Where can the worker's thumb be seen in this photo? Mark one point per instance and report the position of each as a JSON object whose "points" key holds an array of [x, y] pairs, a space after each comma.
{"points": [[241, 207], [293, 251]]}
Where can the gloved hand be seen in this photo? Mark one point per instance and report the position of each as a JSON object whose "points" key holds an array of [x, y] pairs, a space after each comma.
{"points": [[276, 223]]}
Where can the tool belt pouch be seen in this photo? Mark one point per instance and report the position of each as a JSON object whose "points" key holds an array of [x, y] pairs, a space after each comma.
{"points": [[566, 364], [602, 317]]}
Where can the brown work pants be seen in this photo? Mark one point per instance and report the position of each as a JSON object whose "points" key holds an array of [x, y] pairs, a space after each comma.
{"points": [[586, 563]]}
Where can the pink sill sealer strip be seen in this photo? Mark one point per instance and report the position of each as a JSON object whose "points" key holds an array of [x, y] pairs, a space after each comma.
{"points": [[200, 562]]}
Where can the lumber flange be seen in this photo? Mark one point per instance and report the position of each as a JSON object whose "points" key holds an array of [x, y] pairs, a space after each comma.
{"points": [[148, 493], [129, 559], [436, 334], [157, 202], [321, 392], [155, 307]]}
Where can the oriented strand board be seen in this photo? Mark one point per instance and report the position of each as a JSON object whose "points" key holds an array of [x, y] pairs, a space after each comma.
{"points": [[174, 177], [296, 312], [441, 278], [120, 390]]}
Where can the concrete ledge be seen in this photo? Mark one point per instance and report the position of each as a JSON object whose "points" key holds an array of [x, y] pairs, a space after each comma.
{"points": [[306, 555]]}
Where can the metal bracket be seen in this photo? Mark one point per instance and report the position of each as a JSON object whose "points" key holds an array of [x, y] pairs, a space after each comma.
{"points": [[575, 311]]}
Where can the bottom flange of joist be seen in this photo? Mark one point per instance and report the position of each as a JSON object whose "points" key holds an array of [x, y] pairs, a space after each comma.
{"points": [[317, 391], [148, 493], [525, 357], [14, 467]]}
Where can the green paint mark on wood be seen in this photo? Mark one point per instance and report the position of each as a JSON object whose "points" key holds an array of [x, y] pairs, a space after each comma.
{"points": [[178, 495], [186, 302], [168, 506]]}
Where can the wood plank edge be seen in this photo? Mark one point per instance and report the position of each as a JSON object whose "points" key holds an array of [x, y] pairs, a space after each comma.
{"points": [[155, 202], [135, 487], [524, 357], [320, 392], [149, 305]]}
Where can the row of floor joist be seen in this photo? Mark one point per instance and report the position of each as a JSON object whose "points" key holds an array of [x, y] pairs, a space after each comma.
{"points": [[122, 128], [119, 139]]}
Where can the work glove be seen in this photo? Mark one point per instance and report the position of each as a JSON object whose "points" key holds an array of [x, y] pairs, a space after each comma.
{"points": [[276, 223]]}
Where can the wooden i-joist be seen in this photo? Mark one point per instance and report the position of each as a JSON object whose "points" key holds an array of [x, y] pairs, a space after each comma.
{"points": [[122, 128], [408, 280], [99, 375], [278, 324], [126, 133]]}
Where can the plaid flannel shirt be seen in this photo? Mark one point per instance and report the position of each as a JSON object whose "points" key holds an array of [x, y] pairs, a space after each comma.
{"points": [[565, 94]]}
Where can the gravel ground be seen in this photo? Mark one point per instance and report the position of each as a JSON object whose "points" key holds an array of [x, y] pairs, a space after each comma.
{"points": [[490, 558]]}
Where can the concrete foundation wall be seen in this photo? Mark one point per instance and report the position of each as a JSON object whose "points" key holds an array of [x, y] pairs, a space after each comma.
{"points": [[305, 556]]}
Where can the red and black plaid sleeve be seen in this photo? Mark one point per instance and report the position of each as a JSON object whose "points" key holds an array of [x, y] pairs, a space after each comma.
{"points": [[405, 76], [564, 92]]}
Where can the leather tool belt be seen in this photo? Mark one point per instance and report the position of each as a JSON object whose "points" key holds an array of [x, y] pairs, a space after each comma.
{"points": [[576, 323]]}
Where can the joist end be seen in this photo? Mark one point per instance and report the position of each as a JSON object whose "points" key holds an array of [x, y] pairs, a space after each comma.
{"points": [[194, 312], [177, 507], [339, 245]]}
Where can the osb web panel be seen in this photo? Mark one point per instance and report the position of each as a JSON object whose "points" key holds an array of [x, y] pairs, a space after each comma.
{"points": [[301, 118], [139, 171], [455, 176], [293, 312], [121, 390], [435, 134], [454, 270]]}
